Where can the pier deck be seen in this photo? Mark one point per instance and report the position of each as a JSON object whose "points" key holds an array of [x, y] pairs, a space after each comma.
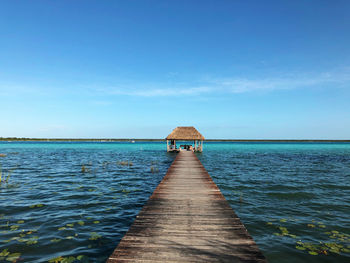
{"points": [[187, 219]]}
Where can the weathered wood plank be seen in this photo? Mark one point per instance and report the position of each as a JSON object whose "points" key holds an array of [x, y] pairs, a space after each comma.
{"points": [[187, 219]]}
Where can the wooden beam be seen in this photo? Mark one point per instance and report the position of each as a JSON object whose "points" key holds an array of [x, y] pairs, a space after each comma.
{"points": [[187, 219]]}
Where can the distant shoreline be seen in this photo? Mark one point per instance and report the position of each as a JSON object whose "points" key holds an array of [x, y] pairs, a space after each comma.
{"points": [[14, 139]]}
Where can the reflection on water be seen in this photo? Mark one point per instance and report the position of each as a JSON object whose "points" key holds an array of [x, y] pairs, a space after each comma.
{"points": [[73, 202]]}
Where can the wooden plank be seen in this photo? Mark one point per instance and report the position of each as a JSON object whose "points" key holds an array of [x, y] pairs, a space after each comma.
{"points": [[187, 219]]}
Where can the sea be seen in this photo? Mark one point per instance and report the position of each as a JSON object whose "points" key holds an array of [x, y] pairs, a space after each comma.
{"points": [[74, 201]]}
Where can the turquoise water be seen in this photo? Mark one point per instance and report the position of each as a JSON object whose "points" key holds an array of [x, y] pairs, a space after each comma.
{"points": [[75, 201]]}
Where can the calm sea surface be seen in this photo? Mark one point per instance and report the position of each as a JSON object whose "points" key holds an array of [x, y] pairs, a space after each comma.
{"points": [[73, 202]]}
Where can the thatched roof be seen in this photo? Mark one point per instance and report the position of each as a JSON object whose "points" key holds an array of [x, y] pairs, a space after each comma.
{"points": [[185, 133]]}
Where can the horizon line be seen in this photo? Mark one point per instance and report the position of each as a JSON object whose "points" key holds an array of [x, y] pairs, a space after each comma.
{"points": [[160, 139]]}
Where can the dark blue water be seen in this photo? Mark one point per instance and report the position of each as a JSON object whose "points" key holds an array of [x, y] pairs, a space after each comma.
{"points": [[73, 202]]}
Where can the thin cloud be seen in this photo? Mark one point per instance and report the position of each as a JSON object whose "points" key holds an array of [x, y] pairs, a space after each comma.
{"points": [[202, 87], [162, 92], [237, 85]]}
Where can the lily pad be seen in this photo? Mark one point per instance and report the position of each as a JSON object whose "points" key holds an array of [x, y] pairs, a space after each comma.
{"points": [[94, 236], [4, 253], [56, 260], [14, 227], [68, 260], [283, 229], [80, 257], [300, 247], [335, 250], [31, 242], [36, 205], [13, 257], [314, 253]]}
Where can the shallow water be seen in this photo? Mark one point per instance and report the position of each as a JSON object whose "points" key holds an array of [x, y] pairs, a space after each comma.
{"points": [[290, 196]]}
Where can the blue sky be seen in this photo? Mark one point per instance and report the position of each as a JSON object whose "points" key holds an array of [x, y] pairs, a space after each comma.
{"points": [[137, 69]]}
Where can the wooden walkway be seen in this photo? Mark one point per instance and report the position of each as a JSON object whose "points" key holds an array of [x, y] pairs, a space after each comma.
{"points": [[187, 219]]}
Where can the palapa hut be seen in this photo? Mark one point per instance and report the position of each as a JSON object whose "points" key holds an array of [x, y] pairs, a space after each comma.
{"points": [[185, 134]]}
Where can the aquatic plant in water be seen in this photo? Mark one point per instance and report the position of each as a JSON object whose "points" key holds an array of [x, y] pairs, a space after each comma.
{"points": [[69, 259], [94, 236], [84, 169], [14, 227], [240, 195], [36, 205], [5, 179], [341, 246], [284, 232], [320, 248], [154, 169], [11, 257], [125, 191], [32, 241], [125, 163]]}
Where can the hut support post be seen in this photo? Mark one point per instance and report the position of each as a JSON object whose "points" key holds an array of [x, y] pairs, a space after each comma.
{"points": [[190, 135], [167, 145]]}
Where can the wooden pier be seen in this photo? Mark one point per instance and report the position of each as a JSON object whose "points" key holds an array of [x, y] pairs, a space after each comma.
{"points": [[187, 219]]}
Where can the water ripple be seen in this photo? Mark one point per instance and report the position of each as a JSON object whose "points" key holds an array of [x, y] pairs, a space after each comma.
{"points": [[284, 193]]}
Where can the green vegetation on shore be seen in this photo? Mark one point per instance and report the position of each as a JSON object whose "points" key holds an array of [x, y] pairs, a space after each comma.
{"points": [[72, 140], [156, 140]]}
